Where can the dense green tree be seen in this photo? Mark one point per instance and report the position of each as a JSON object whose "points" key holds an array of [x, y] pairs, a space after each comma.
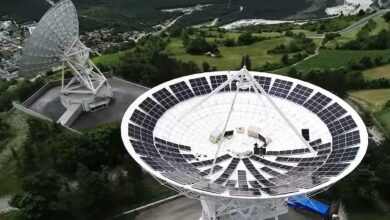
{"points": [[229, 42], [327, 78], [206, 67], [285, 59], [387, 16], [39, 199], [355, 80], [93, 193], [246, 39], [4, 129], [200, 46], [185, 37]]}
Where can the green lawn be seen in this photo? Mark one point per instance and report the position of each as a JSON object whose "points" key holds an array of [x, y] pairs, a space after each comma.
{"points": [[231, 56], [377, 73], [338, 58], [384, 118], [110, 59], [381, 24]]}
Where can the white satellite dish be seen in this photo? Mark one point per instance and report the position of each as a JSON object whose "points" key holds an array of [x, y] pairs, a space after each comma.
{"points": [[55, 43], [200, 134]]}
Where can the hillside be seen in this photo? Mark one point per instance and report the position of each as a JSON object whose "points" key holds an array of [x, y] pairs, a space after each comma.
{"points": [[144, 14]]}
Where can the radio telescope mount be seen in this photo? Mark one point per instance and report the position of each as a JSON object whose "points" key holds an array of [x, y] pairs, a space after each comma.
{"points": [[242, 142], [55, 43]]}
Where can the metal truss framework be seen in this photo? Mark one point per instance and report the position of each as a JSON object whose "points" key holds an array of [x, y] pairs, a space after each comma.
{"points": [[87, 77]]}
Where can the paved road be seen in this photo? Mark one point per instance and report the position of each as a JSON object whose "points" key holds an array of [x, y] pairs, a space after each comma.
{"points": [[363, 21], [183, 208]]}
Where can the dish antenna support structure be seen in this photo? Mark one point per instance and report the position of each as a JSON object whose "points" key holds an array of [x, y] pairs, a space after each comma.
{"points": [[87, 77], [55, 43]]}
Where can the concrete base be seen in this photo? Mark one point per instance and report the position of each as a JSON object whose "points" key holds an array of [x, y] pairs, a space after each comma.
{"points": [[71, 114], [48, 103]]}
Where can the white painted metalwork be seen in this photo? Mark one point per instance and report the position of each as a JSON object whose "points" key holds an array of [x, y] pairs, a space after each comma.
{"points": [[55, 42], [192, 121]]}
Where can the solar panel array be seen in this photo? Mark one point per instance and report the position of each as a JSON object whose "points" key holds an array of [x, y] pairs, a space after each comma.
{"points": [[288, 172]]}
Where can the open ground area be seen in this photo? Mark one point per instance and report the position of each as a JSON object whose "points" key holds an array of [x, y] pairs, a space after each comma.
{"points": [[231, 56], [378, 73], [375, 97]]}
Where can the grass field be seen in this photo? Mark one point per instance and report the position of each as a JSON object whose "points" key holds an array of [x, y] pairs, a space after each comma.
{"points": [[377, 73], [110, 59], [384, 118], [338, 58], [231, 56], [344, 38], [376, 98], [215, 35], [381, 24]]}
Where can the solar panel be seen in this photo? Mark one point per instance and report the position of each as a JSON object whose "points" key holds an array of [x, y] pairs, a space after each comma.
{"points": [[265, 82], [317, 102], [139, 133], [210, 161], [200, 86], [218, 80], [343, 155], [280, 88], [300, 94], [330, 169], [143, 120], [342, 125], [228, 171], [165, 98], [182, 91], [331, 113], [260, 178], [270, 163], [346, 140], [152, 108]]}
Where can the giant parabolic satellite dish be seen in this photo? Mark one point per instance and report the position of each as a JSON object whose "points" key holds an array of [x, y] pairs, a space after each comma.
{"points": [[197, 134], [55, 43]]}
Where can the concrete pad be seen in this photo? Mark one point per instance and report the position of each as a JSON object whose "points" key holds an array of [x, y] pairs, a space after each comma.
{"points": [[124, 92], [49, 104]]}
